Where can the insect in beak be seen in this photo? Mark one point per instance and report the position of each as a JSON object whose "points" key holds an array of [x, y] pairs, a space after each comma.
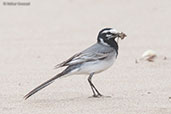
{"points": [[122, 35]]}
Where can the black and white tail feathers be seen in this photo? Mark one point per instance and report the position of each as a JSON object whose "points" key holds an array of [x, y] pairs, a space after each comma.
{"points": [[43, 85], [48, 82]]}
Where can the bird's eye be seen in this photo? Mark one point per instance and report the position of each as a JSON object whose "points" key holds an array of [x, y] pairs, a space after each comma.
{"points": [[108, 33]]}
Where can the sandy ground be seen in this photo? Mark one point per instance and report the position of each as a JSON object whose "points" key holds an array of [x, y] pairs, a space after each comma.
{"points": [[33, 39]]}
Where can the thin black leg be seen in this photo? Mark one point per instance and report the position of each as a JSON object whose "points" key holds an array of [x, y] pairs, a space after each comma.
{"points": [[93, 87], [89, 80]]}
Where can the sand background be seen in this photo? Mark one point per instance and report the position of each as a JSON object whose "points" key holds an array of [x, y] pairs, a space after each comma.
{"points": [[35, 38]]}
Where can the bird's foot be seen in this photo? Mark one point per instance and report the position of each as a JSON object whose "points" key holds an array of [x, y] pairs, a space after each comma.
{"points": [[99, 96], [96, 96]]}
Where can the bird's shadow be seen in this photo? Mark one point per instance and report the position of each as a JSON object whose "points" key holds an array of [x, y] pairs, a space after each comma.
{"points": [[52, 101]]}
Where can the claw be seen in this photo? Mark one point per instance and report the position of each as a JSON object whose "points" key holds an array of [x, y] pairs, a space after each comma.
{"points": [[96, 96]]}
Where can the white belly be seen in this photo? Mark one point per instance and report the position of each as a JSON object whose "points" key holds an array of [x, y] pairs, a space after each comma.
{"points": [[96, 66]]}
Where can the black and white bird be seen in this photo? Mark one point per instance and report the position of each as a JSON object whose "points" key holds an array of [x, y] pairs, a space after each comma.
{"points": [[92, 60]]}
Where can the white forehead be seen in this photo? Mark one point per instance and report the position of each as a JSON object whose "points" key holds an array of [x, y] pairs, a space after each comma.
{"points": [[111, 31]]}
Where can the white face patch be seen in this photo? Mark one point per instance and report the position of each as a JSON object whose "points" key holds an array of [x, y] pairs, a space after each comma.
{"points": [[104, 43], [109, 36], [117, 39], [113, 31]]}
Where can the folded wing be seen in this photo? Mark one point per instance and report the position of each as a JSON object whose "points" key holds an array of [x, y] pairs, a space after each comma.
{"points": [[81, 58]]}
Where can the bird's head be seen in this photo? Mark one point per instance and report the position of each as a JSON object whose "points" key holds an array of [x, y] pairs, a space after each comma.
{"points": [[109, 35]]}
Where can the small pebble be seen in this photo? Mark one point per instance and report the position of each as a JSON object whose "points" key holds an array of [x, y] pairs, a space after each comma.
{"points": [[148, 55], [165, 58], [148, 92]]}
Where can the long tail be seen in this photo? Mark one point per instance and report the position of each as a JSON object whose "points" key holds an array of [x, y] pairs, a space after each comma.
{"points": [[43, 85]]}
